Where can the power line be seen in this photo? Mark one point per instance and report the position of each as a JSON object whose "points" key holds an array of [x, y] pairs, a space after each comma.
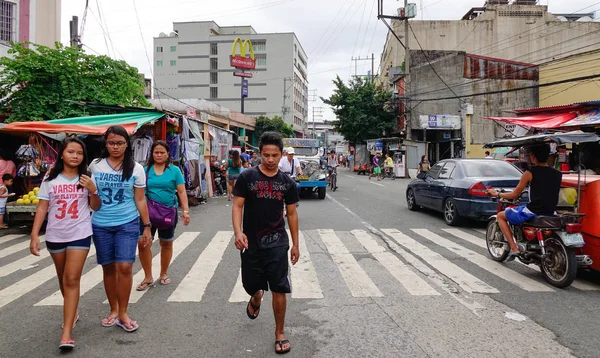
{"points": [[359, 28], [510, 90]]}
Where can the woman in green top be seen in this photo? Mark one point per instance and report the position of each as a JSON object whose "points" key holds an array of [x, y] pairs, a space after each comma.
{"points": [[234, 168], [165, 185]]}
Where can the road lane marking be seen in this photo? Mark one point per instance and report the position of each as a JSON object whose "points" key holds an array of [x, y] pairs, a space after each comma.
{"points": [[375, 183], [414, 284], [357, 280], [193, 285], [31, 282], [239, 293], [305, 283], [485, 263], [481, 231], [464, 279], [180, 244], [579, 284], [351, 176], [7, 238], [18, 247]]}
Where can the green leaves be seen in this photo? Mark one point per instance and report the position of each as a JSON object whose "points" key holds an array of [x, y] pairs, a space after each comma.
{"points": [[275, 124], [363, 110], [38, 83]]}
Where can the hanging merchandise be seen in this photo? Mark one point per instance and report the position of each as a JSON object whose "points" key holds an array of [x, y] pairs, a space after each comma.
{"points": [[28, 154], [174, 146], [141, 148]]}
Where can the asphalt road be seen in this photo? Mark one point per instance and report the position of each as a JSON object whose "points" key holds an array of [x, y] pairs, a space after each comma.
{"points": [[376, 280]]}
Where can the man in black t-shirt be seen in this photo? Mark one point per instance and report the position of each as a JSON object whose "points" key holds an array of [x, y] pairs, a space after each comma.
{"points": [[260, 194]]}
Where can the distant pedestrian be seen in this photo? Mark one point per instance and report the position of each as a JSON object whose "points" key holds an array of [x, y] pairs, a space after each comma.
{"points": [[121, 182], [255, 160], [377, 162], [488, 155], [6, 181], [165, 187], [424, 165], [7, 166], [66, 195], [233, 167], [260, 194]]}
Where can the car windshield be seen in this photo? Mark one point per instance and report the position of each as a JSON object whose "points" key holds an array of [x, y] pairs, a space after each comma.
{"points": [[490, 168], [306, 151]]}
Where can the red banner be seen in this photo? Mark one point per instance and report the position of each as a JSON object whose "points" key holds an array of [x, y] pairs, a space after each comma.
{"points": [[242, 62]]}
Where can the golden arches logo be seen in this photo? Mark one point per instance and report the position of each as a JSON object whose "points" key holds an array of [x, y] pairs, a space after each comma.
{"points": [[241, 61]]}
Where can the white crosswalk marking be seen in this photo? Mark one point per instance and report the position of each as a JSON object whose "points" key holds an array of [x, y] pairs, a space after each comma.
{"points": [[464, 279], [182, 241], [30, 283], [357, 280], [18, 247], [578, 284], [22, 263], [481, 231], [193, 285], [239, 294], [485, 263], [414, 284], [7, 238], [305, 283]]}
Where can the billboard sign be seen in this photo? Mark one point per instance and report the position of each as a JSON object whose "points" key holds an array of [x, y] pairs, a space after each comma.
{"points": [[440, 121], [244, 88], [240, 60]]}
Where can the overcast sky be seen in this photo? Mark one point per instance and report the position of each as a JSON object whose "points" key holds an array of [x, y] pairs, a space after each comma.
{"points": [[331, 31]]}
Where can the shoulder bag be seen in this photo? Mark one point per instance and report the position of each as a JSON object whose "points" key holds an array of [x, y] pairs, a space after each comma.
{"points": [[161, 216]]}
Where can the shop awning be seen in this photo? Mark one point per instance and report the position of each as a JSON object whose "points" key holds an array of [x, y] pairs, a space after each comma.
{"points": [[542, 121], [97, 125], [591, 118]]}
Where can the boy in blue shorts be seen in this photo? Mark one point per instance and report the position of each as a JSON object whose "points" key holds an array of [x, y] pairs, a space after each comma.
{"points": [[544, 182]]}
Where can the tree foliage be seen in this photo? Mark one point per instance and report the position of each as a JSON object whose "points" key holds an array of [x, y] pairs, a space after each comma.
{"points": [[275, 124], [363, 110], [38, 82]]}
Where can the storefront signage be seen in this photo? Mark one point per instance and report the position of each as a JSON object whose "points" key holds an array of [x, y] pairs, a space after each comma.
{"points": [[379, 145], [241, 61], [243, 74], [440, 121], [394, 146], [587, 119], [244, 88], [301, 142]]}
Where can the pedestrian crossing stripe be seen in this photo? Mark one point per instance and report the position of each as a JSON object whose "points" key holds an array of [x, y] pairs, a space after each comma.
{"points": [[306, 279]]}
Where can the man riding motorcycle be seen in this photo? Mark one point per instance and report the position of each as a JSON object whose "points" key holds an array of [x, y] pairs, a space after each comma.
{"points": [[544, 182]]}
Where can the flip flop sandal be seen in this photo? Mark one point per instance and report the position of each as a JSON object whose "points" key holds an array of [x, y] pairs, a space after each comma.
{"points": [[110, 321], [66, 344], [165, 281], [144, 286], [512, 256], [74, 322], [280, 344], [133, 324], [255, 308]]}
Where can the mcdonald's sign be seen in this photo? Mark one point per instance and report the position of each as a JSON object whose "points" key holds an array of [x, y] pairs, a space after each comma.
{"points": [[241, 61]]}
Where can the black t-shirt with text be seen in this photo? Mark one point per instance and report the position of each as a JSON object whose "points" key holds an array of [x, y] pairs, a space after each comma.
{"points": [[265, 196]]}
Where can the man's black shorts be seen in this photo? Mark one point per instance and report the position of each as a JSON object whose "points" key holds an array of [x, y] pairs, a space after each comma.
{"points": [[266, 269]]}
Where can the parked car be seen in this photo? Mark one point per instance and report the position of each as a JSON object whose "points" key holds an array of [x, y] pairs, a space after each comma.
{"points": [[457, 188]]}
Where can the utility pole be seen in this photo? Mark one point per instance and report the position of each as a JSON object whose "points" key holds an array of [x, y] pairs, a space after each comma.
{"points": [[407, 73], [284, 108], [318, 109], [372, 68], [74, 32], [372, 59]]}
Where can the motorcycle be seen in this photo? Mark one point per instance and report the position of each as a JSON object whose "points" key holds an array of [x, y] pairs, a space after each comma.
{"points": [[218, 170], [388, 173], [547, 241]]}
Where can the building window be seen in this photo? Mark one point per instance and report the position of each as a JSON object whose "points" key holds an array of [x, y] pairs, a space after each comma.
{"points": [[214, 92], [159, 49], [214, 78], [261, 60], [159, 63], [214, 63], [8, 21], [173, 48], [214, 49], [173, 63], [259, 46]]}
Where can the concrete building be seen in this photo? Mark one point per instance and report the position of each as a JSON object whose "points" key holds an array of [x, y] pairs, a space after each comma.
{"points": [[585, 64], [35, 21], [518, 31], [193, 62], [455, 127]]}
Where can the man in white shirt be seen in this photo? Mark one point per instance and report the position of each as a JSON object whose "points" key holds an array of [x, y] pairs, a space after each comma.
{"points": [[290, 165], [488, 155]]}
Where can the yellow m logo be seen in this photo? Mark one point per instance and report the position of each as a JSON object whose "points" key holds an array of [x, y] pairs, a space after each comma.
{"points": [[246, 44]]}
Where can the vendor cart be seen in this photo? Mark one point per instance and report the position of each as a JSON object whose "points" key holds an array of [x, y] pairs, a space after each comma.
{"points": [[20, 212]]}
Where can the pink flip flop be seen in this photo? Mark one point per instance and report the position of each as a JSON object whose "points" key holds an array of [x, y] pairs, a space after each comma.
{"points": [[133, 324]]}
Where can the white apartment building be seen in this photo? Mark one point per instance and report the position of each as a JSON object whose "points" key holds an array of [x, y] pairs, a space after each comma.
{"points": [[36, 21], [192, 62]]}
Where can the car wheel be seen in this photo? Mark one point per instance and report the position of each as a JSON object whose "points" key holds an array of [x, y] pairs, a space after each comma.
{"points": [[410, 201], [322, 192], [451, 216]]}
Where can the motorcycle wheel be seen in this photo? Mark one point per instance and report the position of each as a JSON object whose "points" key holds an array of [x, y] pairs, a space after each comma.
{"points": [[559, 268], [496, 244], [393, 176]]}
